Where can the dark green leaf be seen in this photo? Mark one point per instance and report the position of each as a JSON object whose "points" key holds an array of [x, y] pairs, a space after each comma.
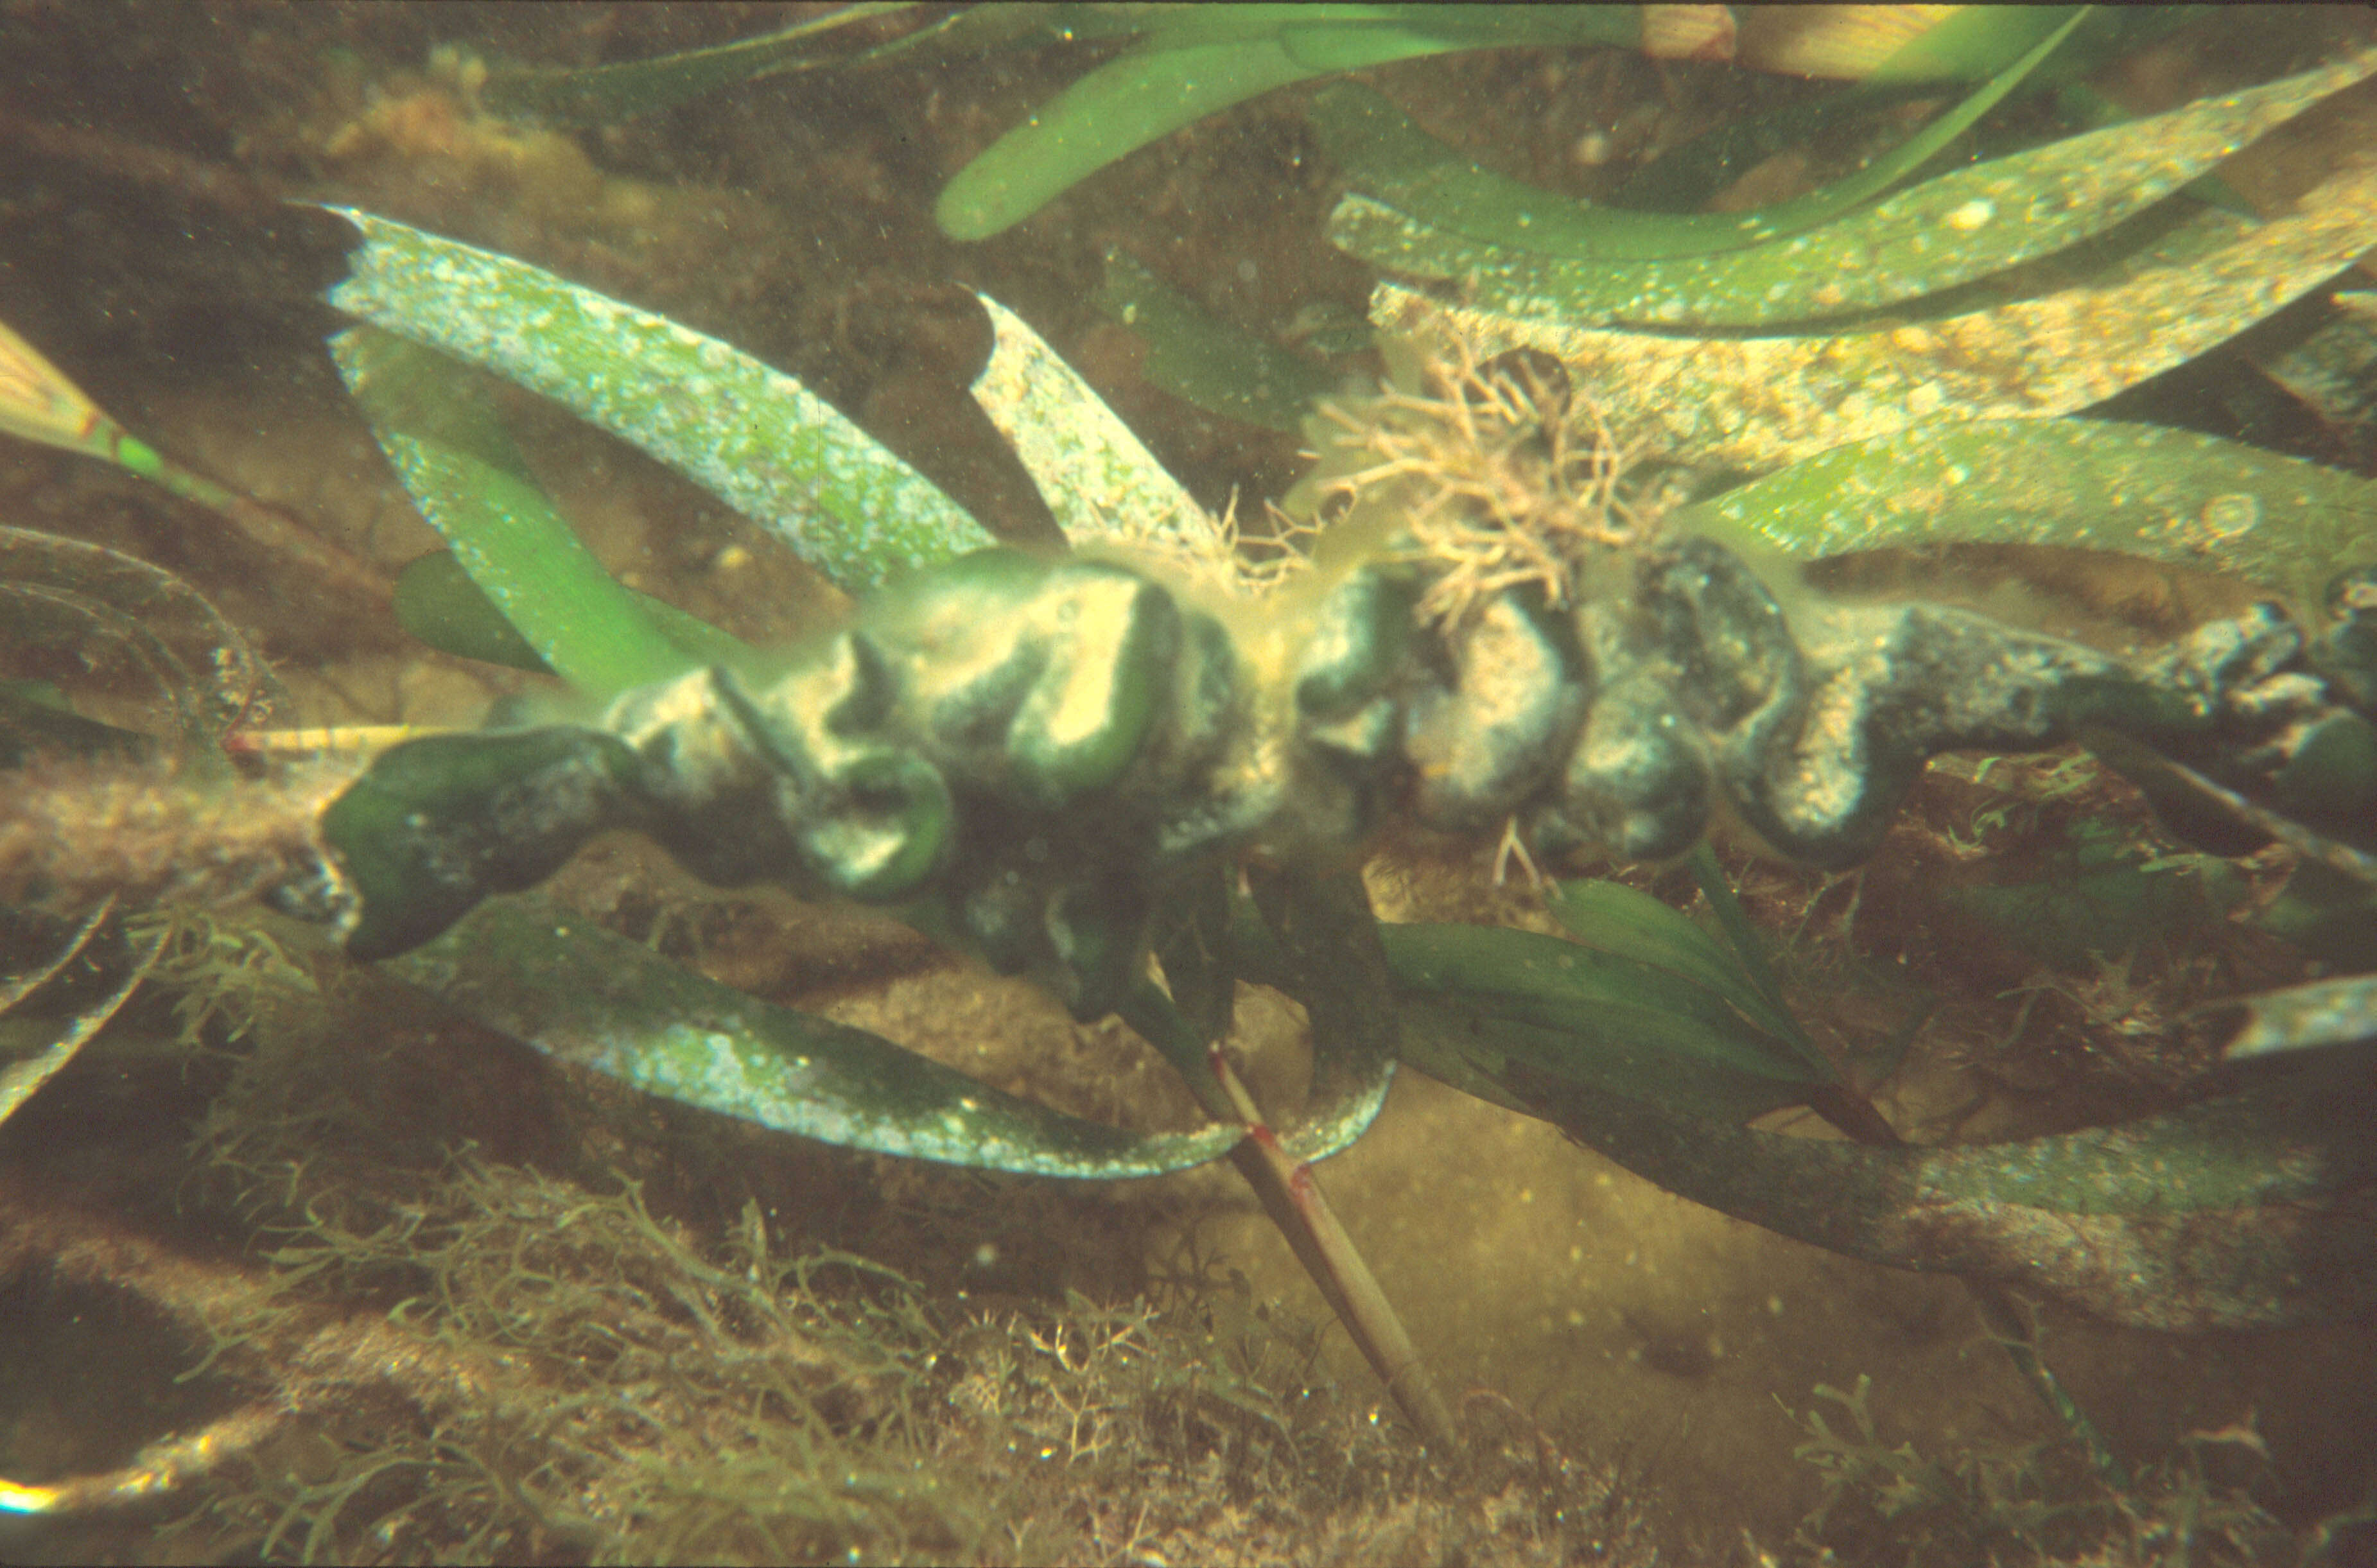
{"points": [[437, 601], [440, 821], [1749, 946], [601, 94], [1478, 997], [1618, 920], [611, 1006], [1219, 368], [1633, 1053]]}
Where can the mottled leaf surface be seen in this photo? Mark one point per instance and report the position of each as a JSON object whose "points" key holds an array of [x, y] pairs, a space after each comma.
{"points": [[2254, 1211], [1938, 234], [595, 999], [2167, 495], [602, 1002], [1100, 481], [749, 433], [1760, 403]]}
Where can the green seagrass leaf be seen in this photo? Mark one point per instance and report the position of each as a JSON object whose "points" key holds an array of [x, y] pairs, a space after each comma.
{"points": [[1974, 43], [437, 601], [599, 1001], [599, 94], [460, 465], [1943, 232], [1221, 369], [1413, 175], [582, 995], [2250, 1211], [1632, 925], [751, 435], [1117, 108], [1756, 403], [2167, 495], [1100, 483], [1201, 59], [1591, 1015], [1325, 37], [1630, 1053], [50, 1007]]}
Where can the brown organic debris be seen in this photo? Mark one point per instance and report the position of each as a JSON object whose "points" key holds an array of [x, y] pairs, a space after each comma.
{"points": [[1498, 475], [73, 833]]}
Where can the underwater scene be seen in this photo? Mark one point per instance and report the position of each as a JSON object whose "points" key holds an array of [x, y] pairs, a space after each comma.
{"points": [[1187, 784]]}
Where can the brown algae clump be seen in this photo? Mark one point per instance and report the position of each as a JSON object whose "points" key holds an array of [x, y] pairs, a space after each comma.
{"points": [[1496, 474]]}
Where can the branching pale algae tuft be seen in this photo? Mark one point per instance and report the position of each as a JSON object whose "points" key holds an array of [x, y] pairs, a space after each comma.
{"points": [[1567, 587]]}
